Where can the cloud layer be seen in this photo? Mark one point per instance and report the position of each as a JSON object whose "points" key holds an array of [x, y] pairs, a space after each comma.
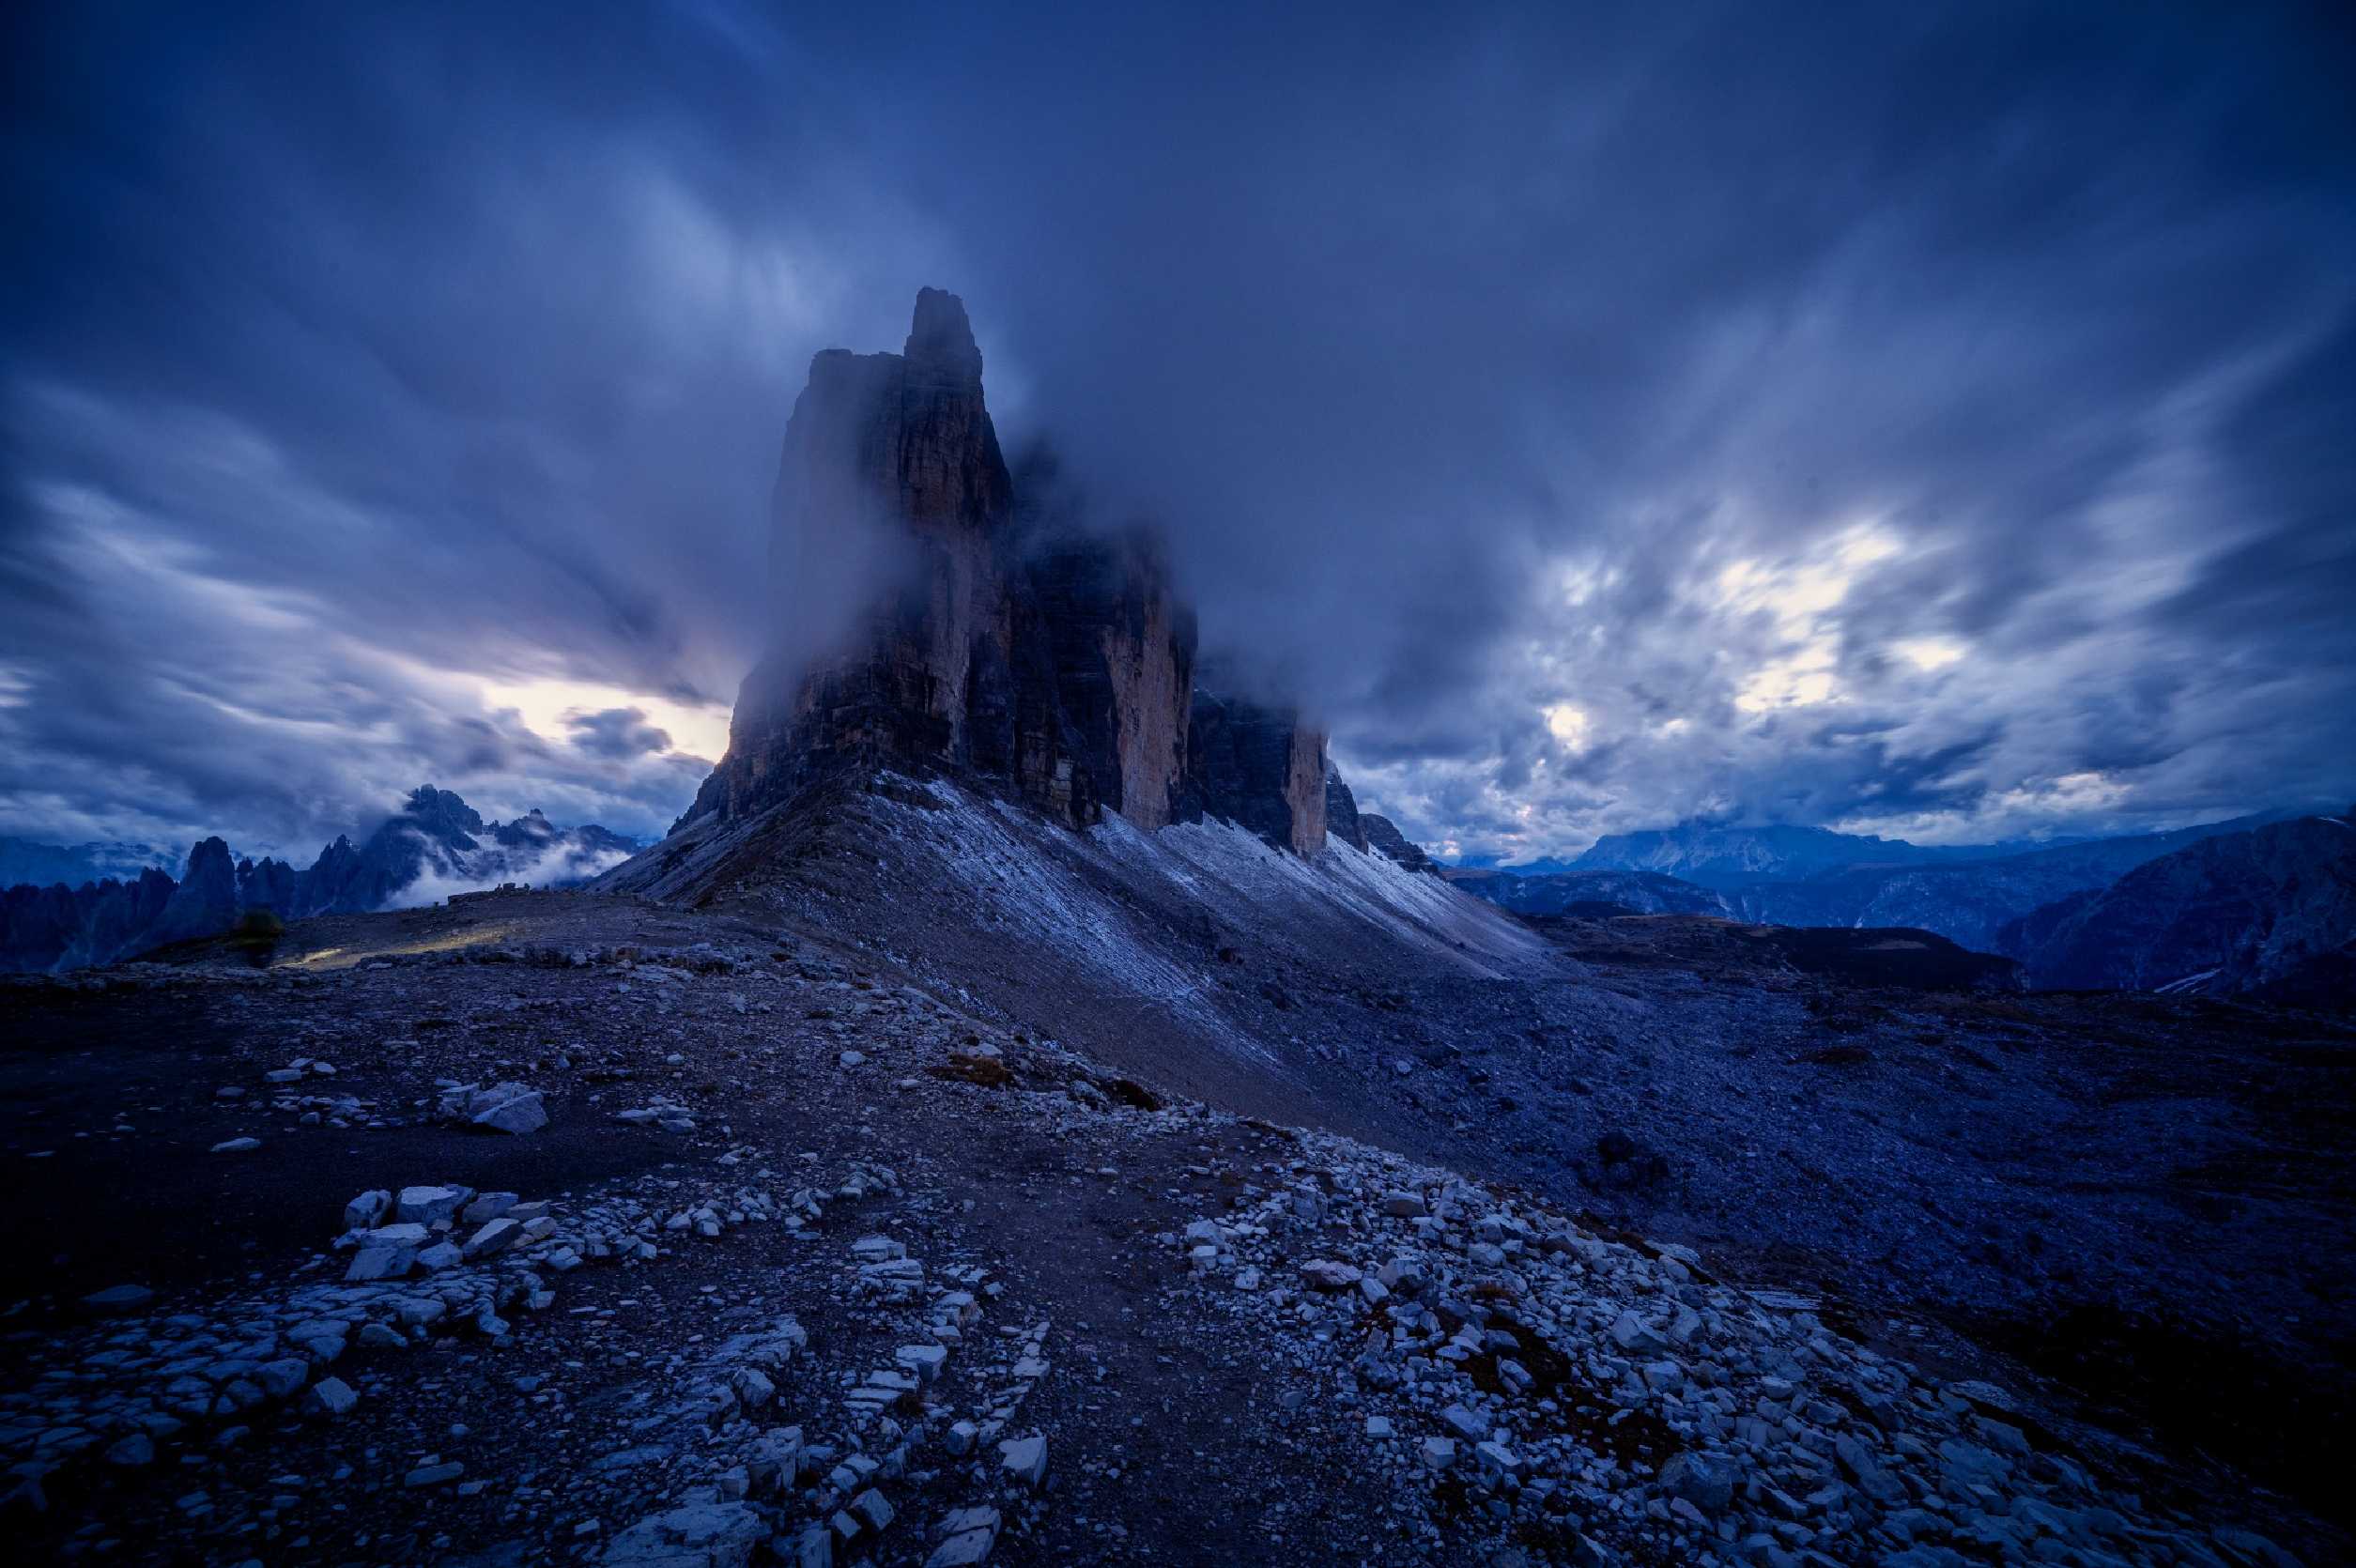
{"points": [[1925, 419]]}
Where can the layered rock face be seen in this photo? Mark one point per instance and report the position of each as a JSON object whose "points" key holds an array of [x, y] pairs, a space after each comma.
{"points": [[1122, 654], [883, 450], [1263, 768], [1003, 642]]}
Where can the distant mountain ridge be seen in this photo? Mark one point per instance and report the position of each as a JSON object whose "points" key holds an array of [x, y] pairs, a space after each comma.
{"points": [[434, 845], [22, 860], [1969, 901], [1728, 858], [1590, 892], [2269, 912], [2262, 905], [1813, 876]]}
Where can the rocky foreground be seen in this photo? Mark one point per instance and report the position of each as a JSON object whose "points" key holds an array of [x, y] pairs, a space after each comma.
{"points": [[570, 1229]]}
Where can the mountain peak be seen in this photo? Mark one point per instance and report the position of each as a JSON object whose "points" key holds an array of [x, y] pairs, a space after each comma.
{"points": [[941, 339], [1061, 668]]}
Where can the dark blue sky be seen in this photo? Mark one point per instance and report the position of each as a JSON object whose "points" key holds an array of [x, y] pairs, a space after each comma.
{"points": [[1932, 419]]}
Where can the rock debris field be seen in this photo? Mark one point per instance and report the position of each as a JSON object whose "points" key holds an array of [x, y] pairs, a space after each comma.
{"points": [[589, 1232]]}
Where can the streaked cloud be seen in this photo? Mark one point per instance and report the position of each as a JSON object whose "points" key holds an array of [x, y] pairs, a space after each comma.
{"points": [[1862, 414]]}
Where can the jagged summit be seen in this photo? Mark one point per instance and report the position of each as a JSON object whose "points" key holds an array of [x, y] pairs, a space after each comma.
{"points": [[941, 339], [433, 845], [1033, 654]]}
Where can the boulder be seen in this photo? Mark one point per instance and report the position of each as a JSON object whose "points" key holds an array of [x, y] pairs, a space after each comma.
{"points": [[1326, 1274], [422, 1206], [332, 1396], [494, 1238], [969, 1535], [1706, 1482], [1023, 1460], [699, 1535], [510, 1108]]}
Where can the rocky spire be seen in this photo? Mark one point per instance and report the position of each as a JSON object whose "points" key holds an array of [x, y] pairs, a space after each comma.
{"points": [[1049, 657], [941, 349]]}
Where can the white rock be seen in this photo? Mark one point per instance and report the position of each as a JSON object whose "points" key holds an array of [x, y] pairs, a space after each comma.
{"points": [[494, 1238], [700, 1535], [1024, 1459], [487, 1207], [380, 1261], [925, 1360], [872, 1509], [1326, 1274], [511, 1108], [424, 1205], [971, 1533], [332, 1396], [1630, 1333]]}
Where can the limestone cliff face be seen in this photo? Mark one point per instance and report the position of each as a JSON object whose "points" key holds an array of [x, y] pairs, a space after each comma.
{"points": [[1008, 644], [894, 450], [1263, 768], [1122, 650]]}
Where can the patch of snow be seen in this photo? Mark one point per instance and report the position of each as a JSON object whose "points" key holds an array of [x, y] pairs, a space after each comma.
{"points": [[1086, 894], [1003, 855], [2190, 982]]}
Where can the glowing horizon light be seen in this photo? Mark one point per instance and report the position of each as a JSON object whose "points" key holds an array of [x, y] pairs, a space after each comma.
{"points": [[546, 706]]}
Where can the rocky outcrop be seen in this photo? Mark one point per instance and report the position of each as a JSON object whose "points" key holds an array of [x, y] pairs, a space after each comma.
{"points": [[205, 902], [961, 657], [60, 927], [1384, 838], [893, 457], [271, 884], [1005, 639], [1341, 810]]}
